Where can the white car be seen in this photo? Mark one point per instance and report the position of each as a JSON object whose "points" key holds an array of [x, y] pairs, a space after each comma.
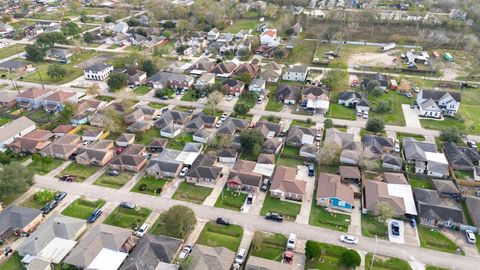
{"points": [[183, 172], [142, 230], [359, 112], [470, 237], [396, 148], [224, 116], [229, 97], [185, 252], [349, 239], [292, 241], [240, 258], [365, 115], [219, 123]]}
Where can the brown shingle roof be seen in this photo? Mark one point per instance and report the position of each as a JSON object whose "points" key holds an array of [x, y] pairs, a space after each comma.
{"points": [[33, 93], [395, 178], [284, 179], [60, 96], [63, 129], [330, 185], [351, 172]]}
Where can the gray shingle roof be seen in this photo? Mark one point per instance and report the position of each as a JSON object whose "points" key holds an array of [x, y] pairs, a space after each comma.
{"points": [[430, 206], [415, 150], [16, 217]]}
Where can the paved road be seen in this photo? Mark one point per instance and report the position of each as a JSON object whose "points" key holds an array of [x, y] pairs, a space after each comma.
{"points": [[255, 222]]}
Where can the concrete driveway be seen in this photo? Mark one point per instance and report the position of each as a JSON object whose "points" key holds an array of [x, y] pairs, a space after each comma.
{"points": [[459, 238], [396, 238], [411, 116], [302, 173]]}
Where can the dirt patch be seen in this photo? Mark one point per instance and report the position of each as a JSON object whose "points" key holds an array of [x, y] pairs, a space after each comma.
{"points": [[102, 58], [387, 59]]}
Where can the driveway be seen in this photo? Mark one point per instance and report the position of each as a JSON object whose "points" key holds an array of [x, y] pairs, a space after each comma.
{"points": [[355, 227], [396, 238], [411, 235], [302, 173], [459, 238], [411, 116]]}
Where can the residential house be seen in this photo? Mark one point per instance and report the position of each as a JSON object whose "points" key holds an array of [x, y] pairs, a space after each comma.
{"points": [[203, 135], [98, 153], [5, 28], [243, 178], [55, 102], [257, 263], [32, 142], [139, 127], [213, 34], [204, 257], [224, 70], [395, 178], [228, 156], [157, 145], [425, 157], [125, 140], [16, 128], [62, 130], [98, 72], [120, 27], [165, 166], [334, 194], [32, 98], [178, 67], [258, 86], [63, 147], [92, 134], [377, 145], [141, 113], [309, 151], [298, 136], [200, 121], [171, 131], [267, 129], [355, 100], [233, 87], [447, 188], [316, 98], [232, 125], [398, 196], [271, 72], [18, 219], [295, 73], [270, 38], [8, 99], [265, 165], [393, 163], [350, 174], [14, 66], [104, 247], [180, 81], [435, 103], [132, 159], [170, 118], [85, 112], [202, 66], [461, 158], [59, 55], [341, 140], [435, 211], [286, 185], [246, 68], [203, 170], [288, 94], [382, 79], [136, 76], [206, 80]]}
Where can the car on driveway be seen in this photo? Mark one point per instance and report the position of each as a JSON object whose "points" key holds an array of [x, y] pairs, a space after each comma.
{"points": [[96, 214], [127, 205], [140, 232], [49, 207], [349, 239], [395, 228], [240, 258], [219, 123], [311, 169], [472, 144], [223, 221], [60, 196], [229, 97], [470, 237], [224, 116], [113, 173], [68, 178], [185, 252], [183, 172], [274, 216], [292, 241]]}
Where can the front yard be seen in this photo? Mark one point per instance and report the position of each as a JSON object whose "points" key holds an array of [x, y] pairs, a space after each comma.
{"points": [[38, 202], [326, 261], [11, 50], [114, 181], [215, 235], [273, 104], [13, 263], [128, 218], [82, 208], [271, 247], [191, 193], [442, 124], [149, 185], [386, 263], [320, 217], [341, 112], [371, 227], [289, 210], [82, 172], [434, 239], [43, 166], [230, 199], [141, 90], [190, 96]]}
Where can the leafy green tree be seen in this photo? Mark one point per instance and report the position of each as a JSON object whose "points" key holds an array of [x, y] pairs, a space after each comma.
{"points": [[328, 123], [160, 93], [251, 141], [48, 40], [385, 211], [88, 37], [133, 22], [241, 108], [56, 71], [375, 125], [350, 259], [14, 179], [35, 53], [452, 134], [44, 196], [376, 91], [149, 67], [178, 221], [109, 19], [312, 250], [383, 106], [71, 29], [336, 79], [117, 81]]}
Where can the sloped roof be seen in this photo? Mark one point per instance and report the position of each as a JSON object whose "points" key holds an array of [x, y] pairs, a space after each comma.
{"points": [[33, 93], [395, 178], [436, 95], [415, 150], [285, 179], [17, 217], [203, 167], [445, 186], [60, 96], [287, 92], [208, 258], [330, 186], [430, 206], [13, 128], [349, 172]]}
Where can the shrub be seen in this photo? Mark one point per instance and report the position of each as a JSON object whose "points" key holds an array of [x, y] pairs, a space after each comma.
{"points": [[142, 187]]}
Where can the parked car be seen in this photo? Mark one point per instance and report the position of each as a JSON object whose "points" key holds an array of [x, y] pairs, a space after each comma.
{"points": [[349, 239], [413, 222], [274, 216], [185, 252], [311, 169], [113, 173], [142, 230], [127, 205], [259, 100], [365, 115], [164, 97], [223, 221], [359, 112], [472, 144], [164, 110], [96, 214], [119, 150], [224, 116], [68, 178], [7, 250], [183, 172], [470, 237], [265, 184], [229, 97], [85, 143], [49, 207], [396, 148], [60, 196], [219, 123], [395, 228], [250, 198], [240, 258], [292, 241]]}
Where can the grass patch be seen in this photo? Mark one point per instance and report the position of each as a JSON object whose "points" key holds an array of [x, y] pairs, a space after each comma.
{"points": [[420, 182], [302, 52], [402, 135], [33, 203], [230, 199], [271, 247], [114, 181], [371, 227], [341, 112], [302, 123], [248, 155], [156, 105], [4, 121], [470, 115], [82, 208], [104, 98], [243, 24], [43, 167], [248, 98], [11, 50], [395, 117], [147, 136], [328, 260], [441, 124], [290, 150], [386, 263], [467, 214], [128, 218], [152, 185], [141, 90], [190, 193], [215, 235], [273, 104], [463, 174], [189, 96], [434, 239], [158, 228], [82, 172], [13, 263], [179, 142], [290, 162], [320, 217], [289, 210]]}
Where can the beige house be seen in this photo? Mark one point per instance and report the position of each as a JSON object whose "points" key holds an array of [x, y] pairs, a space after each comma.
{"points": [[286, 185]]}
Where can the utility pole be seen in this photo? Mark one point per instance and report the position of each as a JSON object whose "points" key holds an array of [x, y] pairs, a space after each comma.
{"points": [[41, 80], [374, 251]]}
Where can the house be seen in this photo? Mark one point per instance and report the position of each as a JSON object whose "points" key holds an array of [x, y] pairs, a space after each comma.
{"points": [[270, 37], [447, 188], [98, 153], [332, 193], [32, 98], [243, 178], [202, 66], [200, 121], [377, 145], [125, 139], [8, 99], [91, 134], [414, 150], [157, 145], [59, 55], [17, 219], [295, 73], [349, 157], [62, 130], [120, 27], [461, 158], [316, 98], [213, 34], [233, 87], [267, 129], [393, 163], [153, 252], [224, 70], [180, 81], [203, 135], [341, 140], [435, 103], [232, 125], [98, 72], [32, 142], [165, 168], [271, 72], [272, 145], [104, 247], [5, 28], [171, 131], [203, 170], [141, 113], [350, 174], [136, 76], [355, 100], [257, 263], [55, 102], [298, 136], [473, 206], [14, 66], [425, 157], [265, 165], [382, 79], [139, 127], [206, 80], [309, 151], [286, 185], [257, 85], [228, 155], [288, 94], [16, 128], [53, 239], [246, 68], [63, 147], [204, 257], [132, 159], [398, 196], [435, 211], [395, 178], [170, 118]]}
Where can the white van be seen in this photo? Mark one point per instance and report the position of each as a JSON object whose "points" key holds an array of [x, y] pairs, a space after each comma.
{"points": [[240, 258], [142, 230]]}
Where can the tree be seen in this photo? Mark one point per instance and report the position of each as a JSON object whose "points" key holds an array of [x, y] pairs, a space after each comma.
{"points": [[67, 112], [451, 134], [279, 53], [376, 91], [169, 25], [241, 108], [160, 93], [112, 120], [331, 32], [257, 240], [385, 211], [375, 125], [213, 100], [329, 154], [133, 22], [14, 179], [328, 123], [149, 67], [167, 34], [109, 19], [178, 221], [35, 53], [6, 18], [48, 40], [312, 250], [384, 106], [88, 37], [245, 77], [372, 84], [251, 140], [93, 90], [350, 259], [117, 81], [71, 29], [337, 77], [56, 71], [44, 196]]}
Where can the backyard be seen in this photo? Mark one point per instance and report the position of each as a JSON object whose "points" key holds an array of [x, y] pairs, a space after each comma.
{"points": [[147, 136], [371, 227], [128, 218], [386, 263], [114, 181], [190, 193], [179, 142], [242, 24], [320, 217], [82, 208], [434, 239], [289, 210], [82, 172], [151, 184], [271, 246], [215, 235], [417, 182], [231, 199]]}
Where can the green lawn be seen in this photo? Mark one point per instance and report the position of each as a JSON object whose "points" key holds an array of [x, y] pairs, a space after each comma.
{"points": [[290, 150], [128, 218], [4, 120], [433, 239], [470, 115], [215, 235], [395, 117], [82, 172], [230, 199], [13, 263], [82, 208], [271, 247], [463, 174], [114, 181], [248, 98], [402, 135], [417, 182], [386, 263], [341, 112], [31, 202], [152, 185], [147, 136], [302, 123], [179, 142], [289, 210], [11, 50], [104, 98], [320, 217], [191, 193], [141, 90], [273, 104], [134, 48], [467, 213], [431, 267], [189, 96], [290, 162], [441, 124], [302, 52], [44, 167], [158, 228], [248, 155], [329, 259], [371, 227], [242, 24], [156, 105]]}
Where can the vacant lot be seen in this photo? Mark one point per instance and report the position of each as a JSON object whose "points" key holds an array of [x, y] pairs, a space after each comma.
{"points": [[191, 193], [302, 53], [43, 166], [395, 116], [114, 181], [11, 50], [151, 184], [341, 112], [128, 218], [243, 24], [82, 208], [82, 172], [215, 235]]}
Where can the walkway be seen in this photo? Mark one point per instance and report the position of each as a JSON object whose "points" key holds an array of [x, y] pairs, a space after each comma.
{"points": [[304, 214], [59, 169], [411, 116], [356, 219]]}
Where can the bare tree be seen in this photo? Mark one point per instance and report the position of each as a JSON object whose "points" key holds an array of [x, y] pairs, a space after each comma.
{"points": [[368, 160], [385, 211], [212, 102], [329, 154], [93, 90]]}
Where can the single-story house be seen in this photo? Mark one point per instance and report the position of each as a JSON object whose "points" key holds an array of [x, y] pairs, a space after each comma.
{"points": [[15, 219], [243, 178], [350, 173], [332, 193], [286, 185]]}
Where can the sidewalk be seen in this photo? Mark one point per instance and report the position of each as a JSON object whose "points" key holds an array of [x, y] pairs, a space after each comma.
{"points": [[133, 181], [92, 178], [193, 237], [171, 188], [59, 169], [212, 198]]}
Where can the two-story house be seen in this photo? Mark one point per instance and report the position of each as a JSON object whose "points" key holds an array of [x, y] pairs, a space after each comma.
{"points": [[234, 87], [270, 38], [295, 73], [315, 98], [98, 72], [32, 98], [55, 102], [432, 103]]}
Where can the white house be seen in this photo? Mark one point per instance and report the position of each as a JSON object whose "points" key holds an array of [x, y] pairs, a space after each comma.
{"points": [[434, 103], [17, 128], [257, 85], [98, 72], [355, 100], [205, 80], [121, 27], [295, 73], [213, 34], [270, 37]]}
